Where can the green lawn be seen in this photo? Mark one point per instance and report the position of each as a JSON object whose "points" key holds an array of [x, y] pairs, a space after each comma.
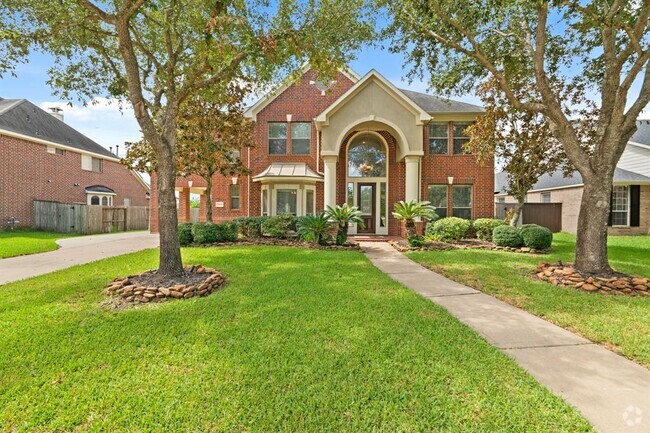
{"points": [[22, 242], [620, 323], [299, 340]]}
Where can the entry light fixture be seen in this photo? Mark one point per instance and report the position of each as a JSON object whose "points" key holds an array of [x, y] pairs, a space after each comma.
{"points": [[289, 117], [450, 180], [234, 180], [190, 183]]}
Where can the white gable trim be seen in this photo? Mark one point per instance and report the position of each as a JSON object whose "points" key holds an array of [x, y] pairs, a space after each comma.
{"points": [[644, 146], [252, 111], [373, 75]]}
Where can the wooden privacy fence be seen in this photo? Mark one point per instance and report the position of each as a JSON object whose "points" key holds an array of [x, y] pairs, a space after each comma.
{"points": [[543, 214], [87, 219]]}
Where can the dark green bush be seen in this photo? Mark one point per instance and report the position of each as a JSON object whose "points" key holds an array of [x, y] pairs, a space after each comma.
{"points": [[204, 233], [483, 227], [525, 227], [507, 236], [185, 233], [251, 227], [537, 237], [315, 228], [448, 229], [279, 226], [416, 241], [226, 231]]}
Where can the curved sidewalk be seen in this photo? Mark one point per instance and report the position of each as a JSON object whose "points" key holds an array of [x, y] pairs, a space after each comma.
{"points": [[611, 392], [75, 251]]}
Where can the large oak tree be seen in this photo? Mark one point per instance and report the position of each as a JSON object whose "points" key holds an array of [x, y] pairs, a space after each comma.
{"points": [[158, 53], [584, 58]]}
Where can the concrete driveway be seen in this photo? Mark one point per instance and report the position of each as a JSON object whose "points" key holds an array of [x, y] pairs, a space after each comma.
{"points": [[75, 251]]}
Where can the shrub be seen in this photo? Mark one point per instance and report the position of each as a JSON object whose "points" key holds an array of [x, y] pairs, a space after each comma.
{"points": [[185, 233], [226, 231], [344, 215], [314, 228], [448, 229], [416, 241], [251, 227], [507, 236], [204, 233], [279, 226], [483, 227], [537, 237]]}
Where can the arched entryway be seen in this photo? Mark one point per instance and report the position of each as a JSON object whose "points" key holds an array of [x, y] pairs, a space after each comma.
{"points": [[367, 174]]}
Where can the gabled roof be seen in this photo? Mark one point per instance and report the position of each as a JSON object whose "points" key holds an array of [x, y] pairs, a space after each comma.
{"points": [[373, 75], [642, 135], [557, 180], [435, 104], [20, 116], [265, 100], [295, 171]]}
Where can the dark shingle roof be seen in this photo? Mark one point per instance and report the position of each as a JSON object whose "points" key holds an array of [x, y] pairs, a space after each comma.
{"points": [[23, 117], [642, 134], [557, 180], [99, 188], [436, 104]]}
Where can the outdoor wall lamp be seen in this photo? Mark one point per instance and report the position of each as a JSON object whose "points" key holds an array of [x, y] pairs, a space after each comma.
{"points": [[190, 183], [450, 180], [234, 180], [289, 117]]}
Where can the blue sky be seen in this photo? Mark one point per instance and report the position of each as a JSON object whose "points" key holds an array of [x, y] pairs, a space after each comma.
{"points": [[105, 124]]}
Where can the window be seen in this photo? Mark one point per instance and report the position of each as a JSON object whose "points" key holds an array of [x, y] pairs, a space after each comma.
{"points": [[309, 202], [127, 201], [277, 138], [620, 205], [234, 196], [545, 197], [501, 200], [265, 202], [462, 201], [104, 201], [97, 165], [300, 138], [460, 137], [366, 158], [350, 194], [287, 201], [94, 200], [438, 138], [438, 199], [382, 204]]}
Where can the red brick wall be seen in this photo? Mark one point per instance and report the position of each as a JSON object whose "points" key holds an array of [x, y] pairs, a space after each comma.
{"points": [[28, 172]]}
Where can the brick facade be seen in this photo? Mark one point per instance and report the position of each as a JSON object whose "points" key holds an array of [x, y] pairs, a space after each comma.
{"points": [[304, 102], [28, 172]]}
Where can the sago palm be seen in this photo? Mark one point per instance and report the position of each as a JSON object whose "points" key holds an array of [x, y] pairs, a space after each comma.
{"points": [[314, 228], [409, 211], [343, 215]]}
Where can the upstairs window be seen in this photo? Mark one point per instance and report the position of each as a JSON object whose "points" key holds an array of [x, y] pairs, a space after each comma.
{"points": [[460, 136], [545, 197], [462, 201], [97, 165], [438, 138], [300, 138], [277, 138]]}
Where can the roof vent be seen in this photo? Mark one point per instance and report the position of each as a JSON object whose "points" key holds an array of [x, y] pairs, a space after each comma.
{"points": [[56, 112]]}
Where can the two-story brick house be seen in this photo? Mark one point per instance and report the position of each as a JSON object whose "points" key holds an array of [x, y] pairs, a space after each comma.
{"points": [[358, 140], [43, 158]]}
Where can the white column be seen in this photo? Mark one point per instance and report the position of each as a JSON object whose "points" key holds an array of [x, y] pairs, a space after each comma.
{"points": [[330, 180], [412, 177]]}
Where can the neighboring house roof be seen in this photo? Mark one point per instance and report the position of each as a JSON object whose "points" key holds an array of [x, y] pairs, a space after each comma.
{"points": [[295, 171], [642, 135], [557, 180], [20, 116], [99, 188], [435, 104]]}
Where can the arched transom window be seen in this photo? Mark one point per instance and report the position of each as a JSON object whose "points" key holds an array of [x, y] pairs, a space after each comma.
{"points": [[366, 157]]}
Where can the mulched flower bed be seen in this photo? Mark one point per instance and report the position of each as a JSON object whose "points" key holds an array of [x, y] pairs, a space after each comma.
{"points": [[291, 242], [149, 287], [463, 244], [563, 274]]}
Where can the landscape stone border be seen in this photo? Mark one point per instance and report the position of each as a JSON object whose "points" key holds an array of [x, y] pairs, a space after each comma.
{"points": [[126, 290], [563, 274], [281, 243], [465, 244]]}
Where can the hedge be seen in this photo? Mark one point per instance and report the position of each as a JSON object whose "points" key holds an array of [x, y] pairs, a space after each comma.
{"points": [[448, 229], [209, 233], [507, 236], [483, 227], [537, 237], [251, 227], [185, 233], [279, 226]]}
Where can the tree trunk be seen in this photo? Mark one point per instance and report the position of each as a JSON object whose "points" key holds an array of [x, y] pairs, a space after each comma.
{"points": [[591, 243], [208, 199], [171, 264], [515, 217], [411, 230]]}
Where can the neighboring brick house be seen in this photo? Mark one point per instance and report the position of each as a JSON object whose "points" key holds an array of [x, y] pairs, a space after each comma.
{"points": [[630, 200], [42, 158], [359, 140]]}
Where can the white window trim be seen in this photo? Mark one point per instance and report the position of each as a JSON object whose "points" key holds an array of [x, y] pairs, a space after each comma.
{"points": [[627, 211], [301, 197], [90, 195]]}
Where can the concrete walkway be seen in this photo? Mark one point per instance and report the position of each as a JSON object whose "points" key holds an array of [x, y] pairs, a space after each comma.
{"points": [[610, 391], [75, 251]]}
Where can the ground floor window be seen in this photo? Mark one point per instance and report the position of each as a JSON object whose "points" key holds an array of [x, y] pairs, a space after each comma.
{"points": [[620, 205], [296, 200], [309, 202], [545, 197], [287, 201], [98, 199], [234, 196], [438, 199], [462, 201]]}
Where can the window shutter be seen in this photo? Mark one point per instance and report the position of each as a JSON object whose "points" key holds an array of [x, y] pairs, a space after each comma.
{"points": [[635, 205], [611, 202]]}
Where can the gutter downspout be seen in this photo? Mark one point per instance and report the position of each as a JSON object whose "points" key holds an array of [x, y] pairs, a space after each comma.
{"points": [[248, 181]]}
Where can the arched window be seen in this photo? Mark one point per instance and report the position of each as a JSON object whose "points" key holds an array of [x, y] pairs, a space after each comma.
{"points": [[104, 201], [366, 157], [94, 200]]}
